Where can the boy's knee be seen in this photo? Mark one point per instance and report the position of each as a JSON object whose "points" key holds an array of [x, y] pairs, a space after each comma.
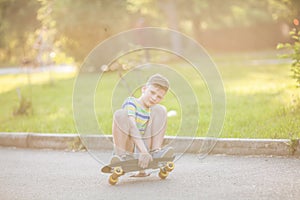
{"points": [[159, 109], [120, 115], [121, 120]]}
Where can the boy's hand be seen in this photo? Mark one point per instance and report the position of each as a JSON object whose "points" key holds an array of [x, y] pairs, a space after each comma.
{"points": [[144, 159]]}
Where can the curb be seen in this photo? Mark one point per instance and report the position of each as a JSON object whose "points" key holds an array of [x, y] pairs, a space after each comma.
{"points": [[227, 146]]}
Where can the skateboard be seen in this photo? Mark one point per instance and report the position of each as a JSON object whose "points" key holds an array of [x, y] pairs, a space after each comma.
{"points": [[117, 169]]}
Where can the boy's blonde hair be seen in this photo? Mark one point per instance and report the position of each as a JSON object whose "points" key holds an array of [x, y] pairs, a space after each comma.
{"points": [[159, 81]]}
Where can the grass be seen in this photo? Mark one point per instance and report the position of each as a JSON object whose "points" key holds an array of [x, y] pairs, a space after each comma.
{"points": [[261, 101], [52, 107], [264, 104]]}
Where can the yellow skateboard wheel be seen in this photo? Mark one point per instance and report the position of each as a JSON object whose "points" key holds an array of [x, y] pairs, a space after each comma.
{"points": [[162, 174], [170, 166], [118, 171], [112, 180]]}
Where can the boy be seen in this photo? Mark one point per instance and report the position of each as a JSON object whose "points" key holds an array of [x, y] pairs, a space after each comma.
{"points": [[141, 124]]}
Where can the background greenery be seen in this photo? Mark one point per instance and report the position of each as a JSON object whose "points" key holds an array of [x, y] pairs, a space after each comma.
{"points": [[260, 104], [262, 100], [74, 28]]}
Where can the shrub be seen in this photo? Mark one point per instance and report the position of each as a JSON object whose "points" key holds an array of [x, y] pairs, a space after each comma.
{"points": [[294, 55]]}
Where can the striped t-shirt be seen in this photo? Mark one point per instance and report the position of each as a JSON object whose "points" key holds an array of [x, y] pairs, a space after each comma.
{"points": [[141, 114]]}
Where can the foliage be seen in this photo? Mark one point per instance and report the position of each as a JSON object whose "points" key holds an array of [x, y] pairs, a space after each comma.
{"points": [[74, 28], [294, 55], [45, 35], [284, 10], [18, 23]]}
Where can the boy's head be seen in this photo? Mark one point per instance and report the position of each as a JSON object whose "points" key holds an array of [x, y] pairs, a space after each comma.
{"points": [[160, 81], [154, 90]]}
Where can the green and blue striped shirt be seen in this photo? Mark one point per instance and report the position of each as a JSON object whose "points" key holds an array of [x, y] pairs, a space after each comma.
{"points": [[141, 114]]}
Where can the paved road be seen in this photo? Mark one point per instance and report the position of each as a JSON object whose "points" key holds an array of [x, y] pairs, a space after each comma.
{"points": [[22, 70], [47, 174]]}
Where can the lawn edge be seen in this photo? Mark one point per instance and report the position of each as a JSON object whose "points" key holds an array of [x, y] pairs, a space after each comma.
{"points": [[196, 145]]}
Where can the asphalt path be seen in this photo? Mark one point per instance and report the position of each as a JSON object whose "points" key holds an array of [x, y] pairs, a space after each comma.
{"points": [[23, 70], [47, 174]]}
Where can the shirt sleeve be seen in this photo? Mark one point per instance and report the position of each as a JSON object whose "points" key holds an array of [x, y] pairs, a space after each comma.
{"points": [[130, 106]]}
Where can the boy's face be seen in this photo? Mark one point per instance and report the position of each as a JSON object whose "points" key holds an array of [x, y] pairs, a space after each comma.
{"points": [[152, 95]]}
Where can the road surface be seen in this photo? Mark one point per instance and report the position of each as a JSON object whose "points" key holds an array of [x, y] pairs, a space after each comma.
{"points": [[47, 174]]}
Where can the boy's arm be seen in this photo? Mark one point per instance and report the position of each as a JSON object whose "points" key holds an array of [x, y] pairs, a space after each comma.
{"points": [[145, 157]]}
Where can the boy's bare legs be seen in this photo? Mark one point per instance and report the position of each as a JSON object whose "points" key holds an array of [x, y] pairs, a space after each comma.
{"points": [[124, 142], [153, 137], [156, 129], [120, 131], [154, 134]]}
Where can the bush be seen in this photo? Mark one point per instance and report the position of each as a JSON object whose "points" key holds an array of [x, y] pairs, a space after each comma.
{"points": [[294, 55]]}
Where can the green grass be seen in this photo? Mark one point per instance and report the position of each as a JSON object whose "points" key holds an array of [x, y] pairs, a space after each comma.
{"points": [[52, 104], [261, 101]]}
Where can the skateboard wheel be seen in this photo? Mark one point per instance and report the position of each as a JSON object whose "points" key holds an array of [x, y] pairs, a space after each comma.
{"points": [[162, 174], [170, 166], [118, 171], [112, 180]]}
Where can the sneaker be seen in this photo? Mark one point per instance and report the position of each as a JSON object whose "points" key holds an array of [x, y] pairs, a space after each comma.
{"points": [[117, 158], [167, 152]]}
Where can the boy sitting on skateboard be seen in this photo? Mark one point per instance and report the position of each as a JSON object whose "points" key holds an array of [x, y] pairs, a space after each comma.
{"points": [[141, 124]]}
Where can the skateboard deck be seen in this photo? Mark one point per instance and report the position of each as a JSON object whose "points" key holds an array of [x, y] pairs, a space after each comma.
{"points": [[117, 169]]}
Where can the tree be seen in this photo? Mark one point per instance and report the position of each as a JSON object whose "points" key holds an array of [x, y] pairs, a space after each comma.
{"points": [[18, 22], [74, 28], [82, 25], [44, 43], [284, 10]]}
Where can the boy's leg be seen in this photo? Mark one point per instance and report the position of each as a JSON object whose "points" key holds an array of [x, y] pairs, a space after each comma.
{"points": [[123, 143], [156, 128]]}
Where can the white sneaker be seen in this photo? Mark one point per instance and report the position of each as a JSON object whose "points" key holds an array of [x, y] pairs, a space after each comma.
{"points": [[167, 152], [117, 158]]}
